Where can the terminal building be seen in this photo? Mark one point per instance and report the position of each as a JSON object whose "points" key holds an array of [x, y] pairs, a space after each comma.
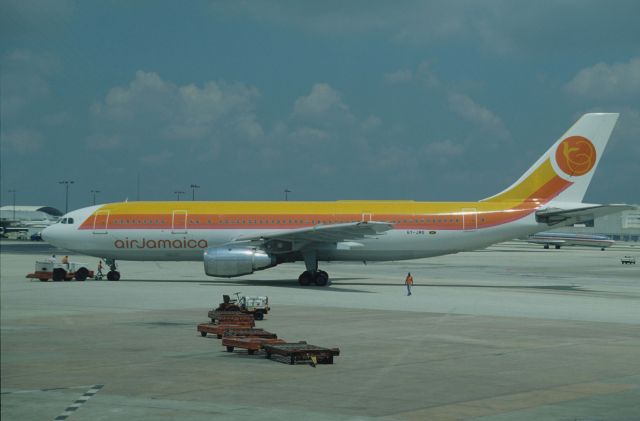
{"points": [[23, 221], [623, 226]]}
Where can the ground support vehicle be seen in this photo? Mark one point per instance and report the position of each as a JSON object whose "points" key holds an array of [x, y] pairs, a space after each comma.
{"points": [[251, 344], [248, 333], [302, 352], [219, 329], [628, 260], [256, 306], [231, 317], [46, 270]]}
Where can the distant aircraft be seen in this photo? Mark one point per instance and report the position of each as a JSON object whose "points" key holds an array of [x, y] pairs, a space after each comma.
{"points": [[238, 238], [559, 239]]}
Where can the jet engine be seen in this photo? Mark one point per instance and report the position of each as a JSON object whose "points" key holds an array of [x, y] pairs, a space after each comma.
{"points": [[226, 262]]}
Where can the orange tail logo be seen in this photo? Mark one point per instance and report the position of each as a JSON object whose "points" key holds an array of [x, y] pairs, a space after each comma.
{"points": [[576, 155]]}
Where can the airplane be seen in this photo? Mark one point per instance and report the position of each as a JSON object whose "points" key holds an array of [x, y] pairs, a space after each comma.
{"points": [[559, 239], [239, 238]]}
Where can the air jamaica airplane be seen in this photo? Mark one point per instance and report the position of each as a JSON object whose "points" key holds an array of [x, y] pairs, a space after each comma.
{"points": [[239, 238]]}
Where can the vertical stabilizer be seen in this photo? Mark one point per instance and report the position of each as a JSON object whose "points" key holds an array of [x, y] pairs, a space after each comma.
{"points": [[564, 172]]}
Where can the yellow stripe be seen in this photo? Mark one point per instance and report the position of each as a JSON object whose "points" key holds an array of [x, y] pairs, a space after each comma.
{"points": [[538, 178], [319, 208]]}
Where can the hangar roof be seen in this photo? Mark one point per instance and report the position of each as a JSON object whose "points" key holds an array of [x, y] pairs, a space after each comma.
{"points": [[46, 209]]}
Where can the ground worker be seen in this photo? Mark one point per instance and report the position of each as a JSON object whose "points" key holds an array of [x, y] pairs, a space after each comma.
{"points": [[99, 272], [53, 259], [409, 282], [65, 261]]}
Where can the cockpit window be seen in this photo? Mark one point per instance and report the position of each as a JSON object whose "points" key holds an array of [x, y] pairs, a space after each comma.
{"points": [[70, 221]]}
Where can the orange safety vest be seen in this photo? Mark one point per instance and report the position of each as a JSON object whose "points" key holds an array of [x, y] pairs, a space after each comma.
{"points": [[409, 280]]}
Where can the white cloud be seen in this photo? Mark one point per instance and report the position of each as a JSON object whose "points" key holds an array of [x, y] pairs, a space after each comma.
{"points": [[604, 80], [321, 100], [22, 141], [399, 76], [445, 147], [473, 112], [308, 136], [371, 123], [426, 75], [103, 142], [24, 80], [157, 159], [150, 107], [494, 26]]}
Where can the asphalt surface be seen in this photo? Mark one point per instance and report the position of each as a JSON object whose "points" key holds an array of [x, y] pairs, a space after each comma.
{"points": [[514, 332]]}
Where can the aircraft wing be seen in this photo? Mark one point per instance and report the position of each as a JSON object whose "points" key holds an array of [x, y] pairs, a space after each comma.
{"points": [[553, 216], [291, 240]]}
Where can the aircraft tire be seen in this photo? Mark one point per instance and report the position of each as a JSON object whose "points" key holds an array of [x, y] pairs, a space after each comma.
{"points": [[322, 278], [113, 275], [305, 278]]}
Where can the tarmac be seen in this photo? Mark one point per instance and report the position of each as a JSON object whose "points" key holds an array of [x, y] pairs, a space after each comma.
{"points": [[513, 332]]}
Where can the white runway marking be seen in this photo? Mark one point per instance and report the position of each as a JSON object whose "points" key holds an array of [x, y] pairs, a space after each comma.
{"points": [[79, 402]]}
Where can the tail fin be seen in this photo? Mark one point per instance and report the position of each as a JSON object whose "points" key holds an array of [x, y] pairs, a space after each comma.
{"points": [[564, 172]]}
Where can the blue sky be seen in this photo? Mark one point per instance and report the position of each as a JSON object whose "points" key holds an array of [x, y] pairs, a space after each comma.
{"points": [[449, 100]]}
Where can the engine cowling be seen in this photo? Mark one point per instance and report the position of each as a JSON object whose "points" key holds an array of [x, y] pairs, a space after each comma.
{"points": [[229, 262]]}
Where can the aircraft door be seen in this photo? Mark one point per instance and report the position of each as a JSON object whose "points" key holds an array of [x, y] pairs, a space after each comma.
{"points": [[179, 222], [100, 221], [469, 219]]}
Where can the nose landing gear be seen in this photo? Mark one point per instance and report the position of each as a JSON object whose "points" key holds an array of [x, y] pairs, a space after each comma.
{"points": [[113, 274]]}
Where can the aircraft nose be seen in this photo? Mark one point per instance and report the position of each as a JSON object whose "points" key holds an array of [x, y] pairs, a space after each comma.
{"points": [[48, 234]]}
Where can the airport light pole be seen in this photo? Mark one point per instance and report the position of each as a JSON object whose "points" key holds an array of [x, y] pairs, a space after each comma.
{"points": [[193, 191], [286, 194], [94, 192], [66, 195], [178, 193], [13, 192]]}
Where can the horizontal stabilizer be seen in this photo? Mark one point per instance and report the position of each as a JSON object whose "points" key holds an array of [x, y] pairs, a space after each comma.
{"points": [[554, 216]]}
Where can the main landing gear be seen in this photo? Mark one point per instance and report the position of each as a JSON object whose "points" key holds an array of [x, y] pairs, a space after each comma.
{"points": [[113, 274], [312, 274], [319, 277]]}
